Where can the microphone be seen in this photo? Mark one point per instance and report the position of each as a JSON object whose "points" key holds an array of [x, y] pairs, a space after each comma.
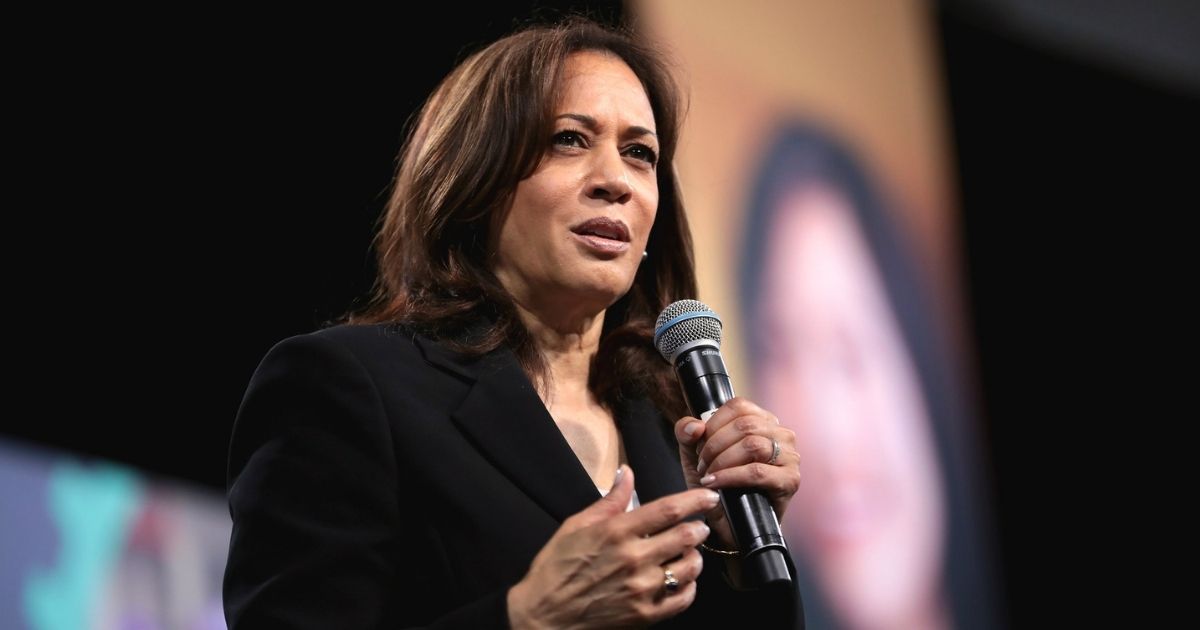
{"points": [[688, 335]]}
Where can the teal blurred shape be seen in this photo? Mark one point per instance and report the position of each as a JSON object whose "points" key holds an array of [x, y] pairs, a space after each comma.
{"points": [[91, 506]]}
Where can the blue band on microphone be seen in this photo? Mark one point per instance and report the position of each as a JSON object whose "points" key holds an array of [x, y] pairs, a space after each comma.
{"points": [[686, 316]]}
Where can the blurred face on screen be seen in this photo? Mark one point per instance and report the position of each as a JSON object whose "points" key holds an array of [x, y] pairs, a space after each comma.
{"points": [[868, 515]]}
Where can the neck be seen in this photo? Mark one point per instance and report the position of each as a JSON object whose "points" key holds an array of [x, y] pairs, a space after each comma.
{"points": [[568, 345]]}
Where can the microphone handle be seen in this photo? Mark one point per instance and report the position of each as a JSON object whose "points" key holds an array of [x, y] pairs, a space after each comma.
{"points": [[706, 386]]}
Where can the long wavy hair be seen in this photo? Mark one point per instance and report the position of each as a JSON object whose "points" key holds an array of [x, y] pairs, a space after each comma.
{"points": [[485, 128]]}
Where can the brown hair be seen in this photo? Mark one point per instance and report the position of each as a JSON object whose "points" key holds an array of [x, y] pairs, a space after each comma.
{"points": [[484, 129]]}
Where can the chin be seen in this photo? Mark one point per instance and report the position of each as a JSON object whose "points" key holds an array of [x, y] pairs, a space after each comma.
{"points": [[603, 289], [600, 297]]}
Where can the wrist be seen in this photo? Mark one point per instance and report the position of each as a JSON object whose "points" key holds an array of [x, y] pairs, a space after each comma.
{"points": [[518, 614], [720, 538], [713, 544]]}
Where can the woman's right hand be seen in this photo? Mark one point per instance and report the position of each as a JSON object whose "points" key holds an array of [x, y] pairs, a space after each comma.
{"points": [[606, 567]]}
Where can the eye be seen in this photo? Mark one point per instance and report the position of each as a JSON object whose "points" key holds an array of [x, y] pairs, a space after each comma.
{"points": [[568, 138], [643, 153]]}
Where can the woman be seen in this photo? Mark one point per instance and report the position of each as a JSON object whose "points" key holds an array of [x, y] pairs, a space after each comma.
{"points": [[494, 441], [844, 338]]}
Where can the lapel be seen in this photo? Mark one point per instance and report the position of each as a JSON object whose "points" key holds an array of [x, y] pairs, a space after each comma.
{"points": [[504, 419], [651, 449], [507, 422]]}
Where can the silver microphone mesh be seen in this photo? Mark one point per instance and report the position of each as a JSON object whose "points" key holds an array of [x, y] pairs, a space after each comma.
{"points": [[703, 323]]}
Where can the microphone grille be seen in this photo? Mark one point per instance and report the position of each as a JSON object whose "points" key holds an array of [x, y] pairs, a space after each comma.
{"points": [[684, 322]]}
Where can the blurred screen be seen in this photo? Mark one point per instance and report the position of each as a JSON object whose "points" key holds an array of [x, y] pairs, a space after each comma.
{"points": [[814, 165], [93, 544]]}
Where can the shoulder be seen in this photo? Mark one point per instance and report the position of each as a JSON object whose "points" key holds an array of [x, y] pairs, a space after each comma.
{"points": [[359, 340], [366, 345], [386, 351]]}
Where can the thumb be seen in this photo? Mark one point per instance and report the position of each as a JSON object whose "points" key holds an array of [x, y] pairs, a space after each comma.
{"points": [[690, 433], [611, 504]]}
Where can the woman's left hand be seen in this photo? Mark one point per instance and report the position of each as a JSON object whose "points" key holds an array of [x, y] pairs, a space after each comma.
{"points": [[741, 446]]}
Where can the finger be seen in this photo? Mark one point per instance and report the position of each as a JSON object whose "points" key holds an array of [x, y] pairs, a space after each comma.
{"points": [[688, 567], [685, 570], [660, 514], [729, 435], [612, 504], [776, 481], [667, 605], [751, 448], [689, 430], [674, 542], [734, 408]]}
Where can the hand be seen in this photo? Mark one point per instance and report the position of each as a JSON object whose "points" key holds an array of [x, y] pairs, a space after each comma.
{"points": [[604, 567], [734, 450]]}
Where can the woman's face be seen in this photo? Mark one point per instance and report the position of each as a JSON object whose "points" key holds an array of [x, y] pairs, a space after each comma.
{"points": [[868, 515], [573, 237]]}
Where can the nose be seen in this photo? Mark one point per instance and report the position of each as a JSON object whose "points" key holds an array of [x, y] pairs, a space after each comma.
{"points": [[609, 179]]}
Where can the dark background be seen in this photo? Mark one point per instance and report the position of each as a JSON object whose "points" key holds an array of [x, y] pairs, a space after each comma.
{"points": [[196, 190]]}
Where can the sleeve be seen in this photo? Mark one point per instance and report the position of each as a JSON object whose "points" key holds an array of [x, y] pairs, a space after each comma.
{"points": [[313, 493], [720, 599]]}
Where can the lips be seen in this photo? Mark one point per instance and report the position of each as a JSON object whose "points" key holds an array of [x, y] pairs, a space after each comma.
{"points": [[603, 227]]}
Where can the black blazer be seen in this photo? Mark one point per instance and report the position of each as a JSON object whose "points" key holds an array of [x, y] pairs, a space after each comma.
{"points": [[377, 480]]}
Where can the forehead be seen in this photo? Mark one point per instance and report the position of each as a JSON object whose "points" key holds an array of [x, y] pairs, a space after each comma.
{"points": [[597, 82]]}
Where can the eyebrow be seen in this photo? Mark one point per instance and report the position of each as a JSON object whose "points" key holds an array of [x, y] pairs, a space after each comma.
{"points": [[593, 125]]}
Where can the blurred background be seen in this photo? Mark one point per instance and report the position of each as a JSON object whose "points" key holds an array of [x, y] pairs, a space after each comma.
{"points": [[937, 232]]}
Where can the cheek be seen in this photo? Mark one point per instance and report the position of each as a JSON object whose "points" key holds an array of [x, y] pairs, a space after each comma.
{"points": [[529, 214], [648, 216], [645, 236]]}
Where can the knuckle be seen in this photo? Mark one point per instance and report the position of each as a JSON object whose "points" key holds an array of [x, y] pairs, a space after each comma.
{"points": [[637, 586], [645, 610], [609, 532], [738, 403], [622, 555], [758, 446], [630, 557], [745, 424], [690, 564], [685, 598], [758, 472], [672, 511], [652, 586]]}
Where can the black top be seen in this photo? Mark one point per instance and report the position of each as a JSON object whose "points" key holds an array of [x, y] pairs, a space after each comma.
{"points": [[378, 480]]}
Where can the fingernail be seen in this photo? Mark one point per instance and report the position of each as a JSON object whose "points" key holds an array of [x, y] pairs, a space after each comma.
{"points": [[620, 473], [691, 428], [701, 465], [713, 497], [703, 531], [708, 479]]}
